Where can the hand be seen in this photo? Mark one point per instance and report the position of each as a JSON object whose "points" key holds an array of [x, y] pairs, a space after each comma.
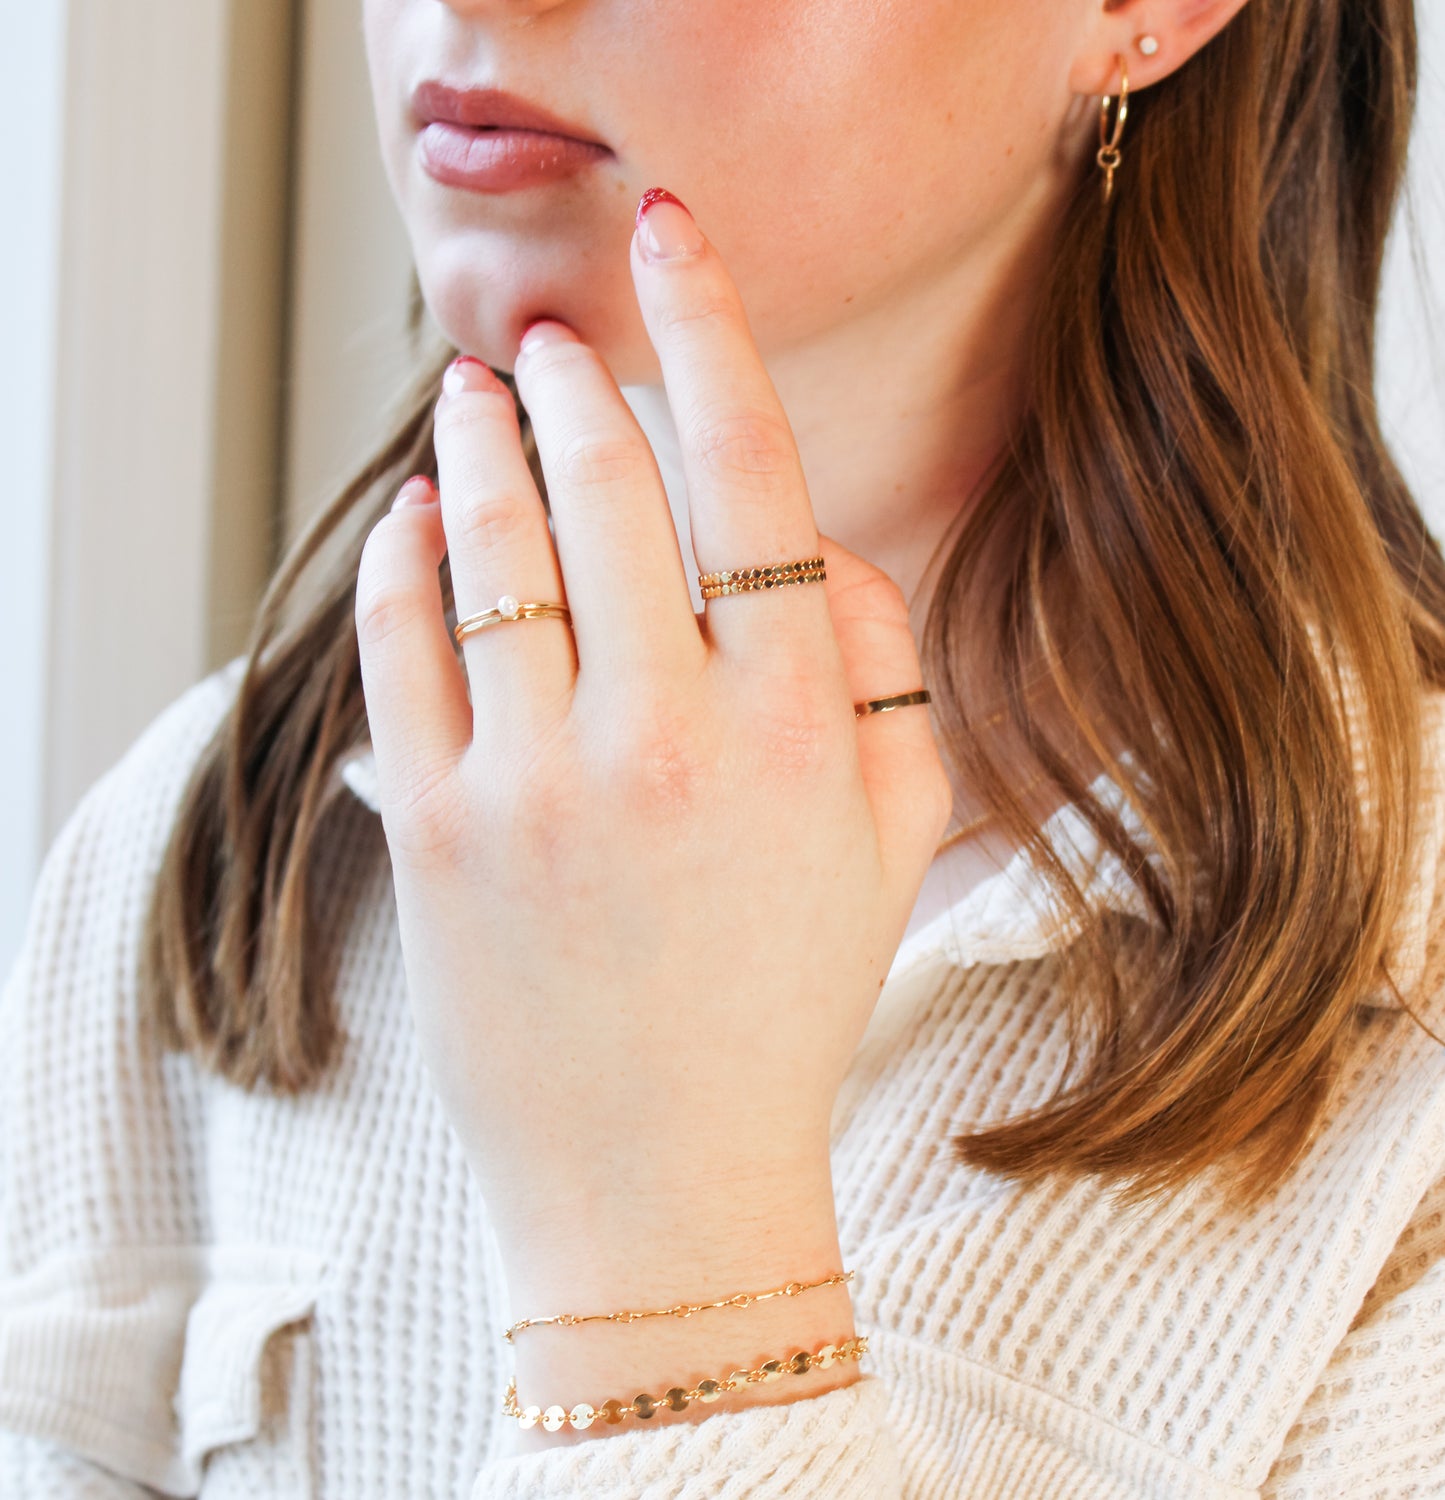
{"points": [[651, 877]]}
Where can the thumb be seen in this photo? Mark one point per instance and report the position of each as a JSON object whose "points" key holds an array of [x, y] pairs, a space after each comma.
{"points": [[903, 772]]}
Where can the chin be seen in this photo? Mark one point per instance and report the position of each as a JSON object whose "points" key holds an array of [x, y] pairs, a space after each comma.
{"points": [[486, 315]]}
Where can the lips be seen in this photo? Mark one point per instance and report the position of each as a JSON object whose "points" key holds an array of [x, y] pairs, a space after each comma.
{"points": [[480, 108]]}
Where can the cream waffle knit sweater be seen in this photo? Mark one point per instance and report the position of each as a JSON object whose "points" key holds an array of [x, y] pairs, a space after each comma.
{"points": [[210, 1292]]}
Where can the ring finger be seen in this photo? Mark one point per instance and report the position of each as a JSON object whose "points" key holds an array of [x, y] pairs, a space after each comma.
{"points": [[500, 545]]}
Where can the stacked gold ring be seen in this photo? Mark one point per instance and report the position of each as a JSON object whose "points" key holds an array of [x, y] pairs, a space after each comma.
{"points": [[774, 576], [509, 608]]}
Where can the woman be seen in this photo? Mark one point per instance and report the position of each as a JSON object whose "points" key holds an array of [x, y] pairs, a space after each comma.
{"points": [[713, 1073]]}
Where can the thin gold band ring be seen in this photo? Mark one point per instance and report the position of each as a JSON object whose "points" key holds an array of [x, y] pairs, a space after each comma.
{"points": [[509, 608], [897, 700]]}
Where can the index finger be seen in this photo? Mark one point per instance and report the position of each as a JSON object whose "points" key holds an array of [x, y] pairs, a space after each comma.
{"points": [[748, 504]]}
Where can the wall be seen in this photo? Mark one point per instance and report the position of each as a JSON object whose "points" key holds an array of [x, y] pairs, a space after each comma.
{"points": [[1411, 355], [142, 277], [31, 71]]}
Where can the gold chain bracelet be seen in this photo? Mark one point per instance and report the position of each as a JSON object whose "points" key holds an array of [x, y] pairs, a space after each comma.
{"points": [[683, 1309], [644, 1407]]}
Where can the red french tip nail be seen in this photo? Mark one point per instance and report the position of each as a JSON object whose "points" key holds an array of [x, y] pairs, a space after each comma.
{"points": [[418, 490], [466, 372], [657, 195]]}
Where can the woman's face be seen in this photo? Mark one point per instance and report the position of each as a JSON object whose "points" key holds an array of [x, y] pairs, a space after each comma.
{"points": [[841, 154]]}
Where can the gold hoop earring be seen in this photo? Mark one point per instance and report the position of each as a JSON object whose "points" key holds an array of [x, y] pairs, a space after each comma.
{"points": [[1108, 156]]}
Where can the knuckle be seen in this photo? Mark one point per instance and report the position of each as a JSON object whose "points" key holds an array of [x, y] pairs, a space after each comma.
{"points": [[427, 825], [522, 798], [382, 614], [384, 606], [872, 593], [795, 742], [591, 460], [797, 728], [747, 446], [536, 814], [657, 767], [704, 302], [489, 518]]}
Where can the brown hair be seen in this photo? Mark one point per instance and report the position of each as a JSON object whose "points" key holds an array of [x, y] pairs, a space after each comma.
{"points": [[1196, 541]]}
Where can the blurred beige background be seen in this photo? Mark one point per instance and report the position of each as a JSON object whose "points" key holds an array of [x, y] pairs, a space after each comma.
{"points": [[203, 295]]}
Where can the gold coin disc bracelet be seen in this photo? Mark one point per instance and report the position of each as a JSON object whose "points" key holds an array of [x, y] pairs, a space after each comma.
{"points": [[682, 1309], [744, 580], [678, 1398]]}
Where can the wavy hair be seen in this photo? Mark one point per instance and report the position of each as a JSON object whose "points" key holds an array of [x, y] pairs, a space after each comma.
{"points": [[1196, 542]]}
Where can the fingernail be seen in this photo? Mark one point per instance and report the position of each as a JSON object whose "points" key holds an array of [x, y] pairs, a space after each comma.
{"points": [[666, 229], [416, 491], [545, 331], [468, 374]]}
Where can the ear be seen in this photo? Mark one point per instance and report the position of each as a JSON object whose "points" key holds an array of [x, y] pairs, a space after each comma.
{"points": [[1180, 27]]}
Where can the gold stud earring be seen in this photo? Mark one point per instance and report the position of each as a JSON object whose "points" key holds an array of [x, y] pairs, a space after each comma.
{"points": [[1108, 156]]}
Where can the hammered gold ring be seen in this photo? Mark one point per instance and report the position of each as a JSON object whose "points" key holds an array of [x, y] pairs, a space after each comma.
{"points": [[897, 700], [509, 608]]}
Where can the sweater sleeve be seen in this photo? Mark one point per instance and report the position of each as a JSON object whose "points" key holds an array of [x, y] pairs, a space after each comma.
{"points": [[1373, 1428], [39, 1470], [838, 1444], [129, 1345]]}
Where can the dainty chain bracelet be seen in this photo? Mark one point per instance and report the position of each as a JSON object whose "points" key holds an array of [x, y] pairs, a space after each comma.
{"points": [[683, 1309], [644, 1407]]}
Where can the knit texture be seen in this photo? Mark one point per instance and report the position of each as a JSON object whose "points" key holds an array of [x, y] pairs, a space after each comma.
{"points": [[206, 1291]]}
